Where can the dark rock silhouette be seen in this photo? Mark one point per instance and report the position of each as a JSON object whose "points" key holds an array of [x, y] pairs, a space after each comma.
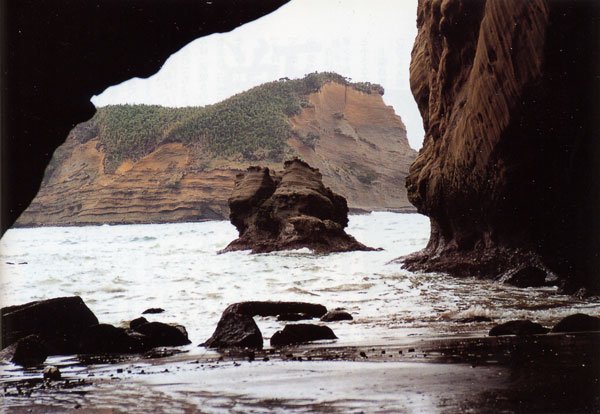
{"points": [[578, 322], [508, 95], [57, 321], [107, 339], [153, 310], [288, 211], [301, 333], [275, 308], [27, 351], [162, 334], [336, 315], [137, 322], [519, 328], [235, 330]]}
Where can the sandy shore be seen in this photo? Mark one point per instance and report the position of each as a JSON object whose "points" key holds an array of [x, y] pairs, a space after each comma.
{"points": [[543, 373]]}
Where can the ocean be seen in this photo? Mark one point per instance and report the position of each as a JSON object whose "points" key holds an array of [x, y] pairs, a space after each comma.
{"points": [[121, 270]]}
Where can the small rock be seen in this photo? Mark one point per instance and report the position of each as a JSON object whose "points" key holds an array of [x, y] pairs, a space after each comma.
{"points": [[519, 328], [52, 373], [153, 310], [137, 322], [336, 315], [578, 322], [301, 333]]}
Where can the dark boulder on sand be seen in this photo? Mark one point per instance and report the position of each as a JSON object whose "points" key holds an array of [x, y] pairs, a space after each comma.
{"points": [[107, 339], [162, 334], [519, 328], [57, 321], [301, 333], [286, 211], [578, 322], [235, 330], [28, 351], [336, 315]]}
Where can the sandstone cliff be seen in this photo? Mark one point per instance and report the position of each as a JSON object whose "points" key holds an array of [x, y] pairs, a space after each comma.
{"points": [[288, 211], [508, 94], [172, 169]]}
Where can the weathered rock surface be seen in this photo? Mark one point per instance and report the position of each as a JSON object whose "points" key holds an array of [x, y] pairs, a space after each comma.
{"points": [[58, 321], [364, 154], [508, 94], [289, 211], [519, 328], [578, 322], [336, 315], [235, 330], [301, 333], [27, 351]]}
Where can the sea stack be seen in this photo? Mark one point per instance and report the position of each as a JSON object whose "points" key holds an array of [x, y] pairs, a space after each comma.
{"points": [[508, 169], [288, 210]]}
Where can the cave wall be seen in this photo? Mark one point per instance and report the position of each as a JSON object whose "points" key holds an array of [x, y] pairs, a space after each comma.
{"points": [[56, 54], [508, 172]]}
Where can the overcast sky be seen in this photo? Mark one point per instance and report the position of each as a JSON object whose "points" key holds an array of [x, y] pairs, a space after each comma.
{"points": [[366, 40]]}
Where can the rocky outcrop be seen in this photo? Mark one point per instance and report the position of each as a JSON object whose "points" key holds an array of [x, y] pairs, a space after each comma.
{"points": [[358, 143], [63, 326], [288, 211], [508, 94]]}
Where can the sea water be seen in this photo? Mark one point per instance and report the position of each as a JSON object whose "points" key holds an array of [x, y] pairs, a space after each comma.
{"points": [[119, 271]]}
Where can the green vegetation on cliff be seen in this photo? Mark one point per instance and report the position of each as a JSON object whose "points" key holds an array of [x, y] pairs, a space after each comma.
{"points": [[251, 125]]}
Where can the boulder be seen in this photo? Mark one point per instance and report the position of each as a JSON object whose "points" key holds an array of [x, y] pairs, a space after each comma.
{"points": [[275, 308], [57, 321], [161, 334], [528, 276], [52, 373], [519, 328], [137, 322], [301, 333], [288, 211], [107, 339], [336, 315], [28, 351], [235, 330], [578, 322]]}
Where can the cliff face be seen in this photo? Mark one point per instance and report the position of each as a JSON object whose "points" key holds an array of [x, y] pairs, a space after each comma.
{"points": [[508, 95], [357, 142]]}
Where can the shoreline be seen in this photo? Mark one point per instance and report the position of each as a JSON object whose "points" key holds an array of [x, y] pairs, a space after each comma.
{"points": [[551, 372]]}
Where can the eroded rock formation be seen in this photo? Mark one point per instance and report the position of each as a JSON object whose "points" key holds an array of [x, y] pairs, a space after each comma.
{"points": [[508, 94], [288, 211]]}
